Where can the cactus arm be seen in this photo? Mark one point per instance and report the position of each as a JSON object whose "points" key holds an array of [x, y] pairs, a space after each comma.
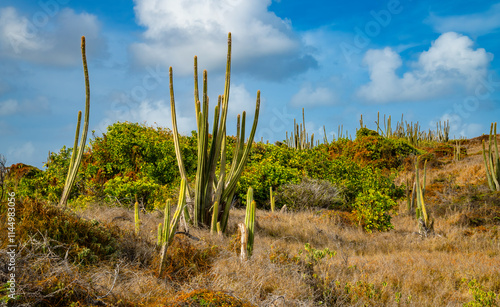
{"points": [[180, 163], [78, 158], [75, 145], [232, 181]]}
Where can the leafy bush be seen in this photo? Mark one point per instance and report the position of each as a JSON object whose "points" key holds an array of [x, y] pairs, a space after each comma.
{"points": [[126, 188], [365, 132], [481, 297], [310, 193], [375, 151], [372, 210]]}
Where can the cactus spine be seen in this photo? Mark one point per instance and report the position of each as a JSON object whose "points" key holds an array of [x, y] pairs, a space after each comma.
{"points": [[492, 160], [211, 187], [76, 156], [167, 232]]}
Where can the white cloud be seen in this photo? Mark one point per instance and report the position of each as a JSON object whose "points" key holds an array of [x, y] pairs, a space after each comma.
{"points": [[35, 106], [451, 64], [459, 128], [474, 24], [8, 107], [150, 113], [241, 100], [309, 96], [25, 152], [178, 30], [48, 39]]}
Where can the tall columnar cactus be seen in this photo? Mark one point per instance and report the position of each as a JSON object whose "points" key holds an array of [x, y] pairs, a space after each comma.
{"points": [[426, 223], [211, 186], [76, 156], [492, 160], [166, 232]]}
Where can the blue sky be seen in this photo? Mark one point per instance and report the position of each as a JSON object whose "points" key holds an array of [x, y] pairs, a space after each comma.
{"points": [[428, 60]]}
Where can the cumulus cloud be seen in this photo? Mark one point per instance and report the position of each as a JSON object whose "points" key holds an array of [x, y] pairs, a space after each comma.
{"points": [[45, 38], [473, 24], [177, 30], [241, 100], [450, 64], [12, 106], [460, 128], [313, 96], [8, 107], [24, 152], [149, 112]]}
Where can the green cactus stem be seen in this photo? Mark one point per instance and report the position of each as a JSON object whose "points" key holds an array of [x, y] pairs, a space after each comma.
{"points": [[137, 221], [426, 223], [492, 160], [247, 229], [272, 199], [76, 156]]}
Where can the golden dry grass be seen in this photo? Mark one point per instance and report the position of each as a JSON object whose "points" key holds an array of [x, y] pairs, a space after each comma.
{"points": [[395, 268]]}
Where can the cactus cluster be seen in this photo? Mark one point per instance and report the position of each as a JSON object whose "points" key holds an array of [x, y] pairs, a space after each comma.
{"points": [[411, 131], [299, 138], [492, 160], [76, 156], [212, 187]]}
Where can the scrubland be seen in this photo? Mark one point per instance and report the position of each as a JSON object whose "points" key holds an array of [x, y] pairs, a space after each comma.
{"points": [[313, 257]]}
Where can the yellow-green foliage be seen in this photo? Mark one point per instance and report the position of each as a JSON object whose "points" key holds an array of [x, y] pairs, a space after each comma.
{"points": [[372, 210], [208, 298]]}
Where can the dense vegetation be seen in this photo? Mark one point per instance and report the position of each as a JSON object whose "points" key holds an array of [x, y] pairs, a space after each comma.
{"points": [[347, 219], [133, 161]]}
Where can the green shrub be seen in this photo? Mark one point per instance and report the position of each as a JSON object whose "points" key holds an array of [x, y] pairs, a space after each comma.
{"points": [[126, 189], [310, 193], [365, 132], [372, 210], [481, 297]]}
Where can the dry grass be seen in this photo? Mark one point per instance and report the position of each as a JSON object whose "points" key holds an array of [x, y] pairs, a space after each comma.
{"points": [[395, 268]]}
